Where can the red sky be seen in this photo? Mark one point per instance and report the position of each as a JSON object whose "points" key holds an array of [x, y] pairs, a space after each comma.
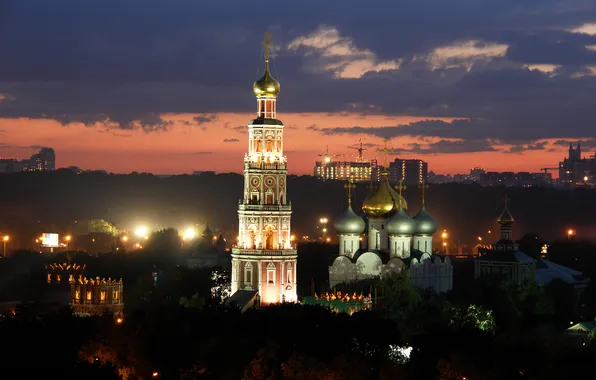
{"points": [[182, 149]]}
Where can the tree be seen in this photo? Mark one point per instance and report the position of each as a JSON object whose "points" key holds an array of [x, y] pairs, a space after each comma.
{"points": [[222, 287], [100, 226], [165, 241], [474, 317], [400, 297]]}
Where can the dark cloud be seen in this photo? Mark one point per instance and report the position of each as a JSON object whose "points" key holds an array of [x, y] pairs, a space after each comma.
{"points": [[240, 128], [205, 119], [114, 66], [36, 147], [447, 147], [585, 143], [520, 148], [230, 140]]}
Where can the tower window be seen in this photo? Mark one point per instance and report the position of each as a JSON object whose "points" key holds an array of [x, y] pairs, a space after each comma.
{"points": [[271, 274]]}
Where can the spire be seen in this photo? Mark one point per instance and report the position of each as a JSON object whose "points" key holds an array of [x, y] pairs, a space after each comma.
{"points": [[267, 44], [423, 186], [506, 222], [349, 186], [384, 151], [267, 86]]}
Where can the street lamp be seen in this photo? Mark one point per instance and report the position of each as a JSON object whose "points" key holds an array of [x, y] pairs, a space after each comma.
{"points": [[5, 239], [570, 233], [67, 239], [141, 231]]}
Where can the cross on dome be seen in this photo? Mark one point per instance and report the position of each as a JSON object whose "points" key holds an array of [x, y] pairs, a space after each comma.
{"points": [[399, 188], [384, 151], [349, 186], [267, 44], [423, 186]]}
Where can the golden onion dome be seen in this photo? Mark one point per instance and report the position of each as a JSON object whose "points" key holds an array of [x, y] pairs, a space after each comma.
{"points": [[383, 202], [267, 86]]}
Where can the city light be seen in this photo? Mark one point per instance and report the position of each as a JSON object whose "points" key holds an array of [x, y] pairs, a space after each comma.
{"points": [[292, 238], [323, 220], [141, 231], [5, 239], [119, 320], [155, 374], [189, 234], [67, 237], [125, 238], [479, 238], [570, 233], [444, 235]]}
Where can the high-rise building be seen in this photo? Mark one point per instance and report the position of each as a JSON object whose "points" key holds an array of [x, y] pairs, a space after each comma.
{"points": [[265, 257], [577, 171], [45, 160], [357, 171], [412, 172]]}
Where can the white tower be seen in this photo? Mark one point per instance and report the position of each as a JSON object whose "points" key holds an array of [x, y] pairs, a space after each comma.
{"points": [[265, 257]]}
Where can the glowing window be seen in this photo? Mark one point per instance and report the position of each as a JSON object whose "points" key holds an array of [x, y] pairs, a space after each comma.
{"points": [[88, 296], [102, 295], [115, 295], [271, 274], [78, 295]]}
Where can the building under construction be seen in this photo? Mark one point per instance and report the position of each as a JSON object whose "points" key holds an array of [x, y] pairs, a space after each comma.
{"points": [[359, 170]]}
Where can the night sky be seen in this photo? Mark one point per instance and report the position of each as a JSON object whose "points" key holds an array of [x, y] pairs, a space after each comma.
{"points": [[166, 86]]}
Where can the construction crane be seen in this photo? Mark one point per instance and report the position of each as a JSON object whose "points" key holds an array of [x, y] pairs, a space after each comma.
{"points": [[545, 170], [360, 150], [327, 158]]}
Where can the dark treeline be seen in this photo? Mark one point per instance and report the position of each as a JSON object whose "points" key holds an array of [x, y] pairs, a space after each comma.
{"points": [[34, 202]]}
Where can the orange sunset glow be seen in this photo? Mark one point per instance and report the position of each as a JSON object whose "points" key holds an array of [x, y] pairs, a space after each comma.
{"points": [[184, 149]]}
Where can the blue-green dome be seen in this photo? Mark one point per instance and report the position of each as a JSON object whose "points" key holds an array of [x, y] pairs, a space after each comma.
{"points": [[349, 223], [401, 224], [425, 223]]}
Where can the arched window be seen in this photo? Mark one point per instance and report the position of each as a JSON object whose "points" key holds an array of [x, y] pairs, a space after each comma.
{"points": [[248, 273], [289, 273], [271, 273]]}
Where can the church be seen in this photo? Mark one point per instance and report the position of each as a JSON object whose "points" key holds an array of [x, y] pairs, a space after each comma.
{"points": [[264, 259], [394, 242], [505, 260]]}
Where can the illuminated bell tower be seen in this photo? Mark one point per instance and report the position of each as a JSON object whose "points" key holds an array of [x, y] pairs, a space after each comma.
{"points": [[265, 256]]}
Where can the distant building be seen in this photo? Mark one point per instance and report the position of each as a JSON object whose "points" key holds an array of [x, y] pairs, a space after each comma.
{"points": [[577, 171], [413, 172], [97, 296], [45, 160], [358, 171], [86, 296], [505, 260], [10, 165], [209, 251]]}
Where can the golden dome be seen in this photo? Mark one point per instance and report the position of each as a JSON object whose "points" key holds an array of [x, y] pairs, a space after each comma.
{"points": [[267, 86], [384, 201]]}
